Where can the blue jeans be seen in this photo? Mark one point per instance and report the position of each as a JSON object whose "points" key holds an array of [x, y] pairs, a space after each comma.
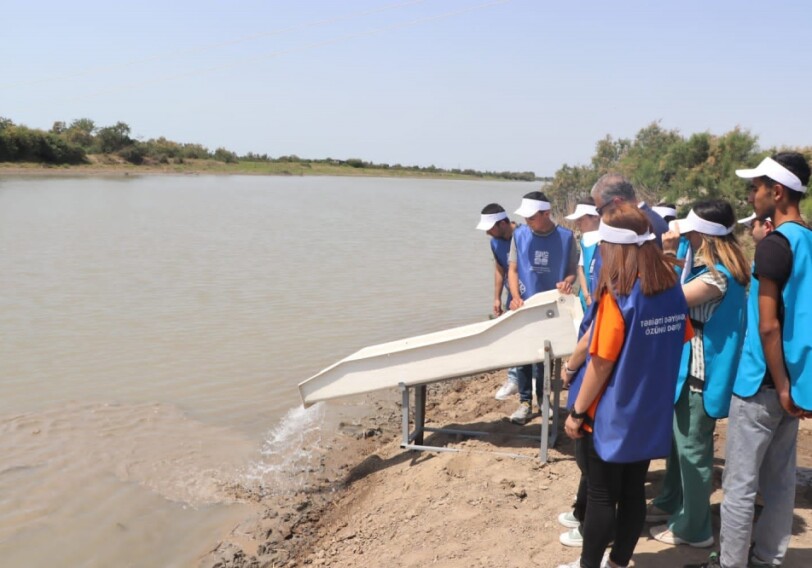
{"points": [[759, 457], [525, 375]]}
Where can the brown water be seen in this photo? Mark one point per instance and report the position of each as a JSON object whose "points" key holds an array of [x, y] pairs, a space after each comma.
{"points": [[153, 331]]}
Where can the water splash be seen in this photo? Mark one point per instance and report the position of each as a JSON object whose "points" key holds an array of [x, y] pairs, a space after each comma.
{"points": [[291, 454]]}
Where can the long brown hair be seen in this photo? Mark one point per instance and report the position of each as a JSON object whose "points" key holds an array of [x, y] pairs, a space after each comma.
{"points": [[621, 265]]}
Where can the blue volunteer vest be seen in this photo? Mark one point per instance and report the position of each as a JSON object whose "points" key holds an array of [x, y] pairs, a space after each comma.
{"points": [[501, 251], [589, 254], [575, 384], [682, 254], [752, 366], [595, 269], [633, 420], [722, 338], [795, 332], [541, 261]]}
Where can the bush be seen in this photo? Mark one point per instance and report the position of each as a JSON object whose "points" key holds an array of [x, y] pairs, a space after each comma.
{"points": [[223, 155], [134, 153]]}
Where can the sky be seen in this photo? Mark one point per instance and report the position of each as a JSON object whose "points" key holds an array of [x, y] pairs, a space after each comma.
{"points": [[520, 85]]}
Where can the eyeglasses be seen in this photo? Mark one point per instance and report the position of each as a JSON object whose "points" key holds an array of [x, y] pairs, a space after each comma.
{"points": [[599, 210]]}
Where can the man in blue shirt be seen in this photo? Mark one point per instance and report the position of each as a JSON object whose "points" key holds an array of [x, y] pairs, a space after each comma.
{"points": [[543, 256]]}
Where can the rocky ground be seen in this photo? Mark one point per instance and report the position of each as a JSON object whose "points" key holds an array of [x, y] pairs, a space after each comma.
{"points": [[370, 503]]}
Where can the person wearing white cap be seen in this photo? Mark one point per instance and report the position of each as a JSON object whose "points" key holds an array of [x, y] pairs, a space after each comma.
{"points": [[759, 227], [623, 410], [543, 256], [614, 188], [668, 212], [586, 221], [496, 223], [773, 386], [715, 292]]}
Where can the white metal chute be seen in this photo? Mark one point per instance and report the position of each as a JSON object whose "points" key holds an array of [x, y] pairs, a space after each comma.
{"points": [[515, 338]]}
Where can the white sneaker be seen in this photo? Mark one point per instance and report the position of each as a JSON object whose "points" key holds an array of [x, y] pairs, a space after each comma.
{"points": [[572, 538], [663, 534], [568, 520], [507, 390], [577, 562], [522, 414]]}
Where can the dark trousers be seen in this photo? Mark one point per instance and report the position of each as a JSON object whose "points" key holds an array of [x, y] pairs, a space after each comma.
{"points": [[616, 505], [579, 509]]}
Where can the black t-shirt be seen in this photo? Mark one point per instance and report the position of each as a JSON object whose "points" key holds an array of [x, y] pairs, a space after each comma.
{"points": [[773, 260]]}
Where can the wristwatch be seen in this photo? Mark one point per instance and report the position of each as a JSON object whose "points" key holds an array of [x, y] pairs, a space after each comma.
{"points": [[578, 415]]}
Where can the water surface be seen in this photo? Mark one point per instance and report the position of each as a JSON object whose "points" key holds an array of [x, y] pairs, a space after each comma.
{"points": [[154, 330]]}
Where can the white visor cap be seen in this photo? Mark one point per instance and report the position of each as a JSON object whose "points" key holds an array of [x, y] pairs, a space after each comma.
{"points": [[581, 210], [664, 211], [775, 171], [694, 222], [748, 221], [530, 207], [610, 234], [488, 220]]}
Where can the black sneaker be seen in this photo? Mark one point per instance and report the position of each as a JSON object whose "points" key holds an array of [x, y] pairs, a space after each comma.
{"points": [[713, 562]]}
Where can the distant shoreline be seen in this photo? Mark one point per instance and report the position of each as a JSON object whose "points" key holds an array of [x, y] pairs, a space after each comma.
{"points": [[214, 167]]}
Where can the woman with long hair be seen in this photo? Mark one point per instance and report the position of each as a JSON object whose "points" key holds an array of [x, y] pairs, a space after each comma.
{"points": [[624, 407], [715, 292]]}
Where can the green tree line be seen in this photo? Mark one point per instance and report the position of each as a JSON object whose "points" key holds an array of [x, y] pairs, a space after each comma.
{"points": [[72, 144], [666, 166]]}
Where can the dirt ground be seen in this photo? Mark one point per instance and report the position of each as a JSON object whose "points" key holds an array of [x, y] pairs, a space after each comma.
{"points": [[375, 504]]}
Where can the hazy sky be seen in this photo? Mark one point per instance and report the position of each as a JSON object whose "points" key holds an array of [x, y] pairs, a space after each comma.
{"points": [[501, 85]]}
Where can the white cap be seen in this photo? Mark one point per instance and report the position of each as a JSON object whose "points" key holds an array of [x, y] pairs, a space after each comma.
{"points": [[664, 211], [532, 206], [748, 221], [776, 172], [487, 221], [610, 234], [694, 222], [581, 210]]}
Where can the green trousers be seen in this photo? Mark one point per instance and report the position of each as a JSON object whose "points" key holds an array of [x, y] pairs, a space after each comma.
{"points": [[688, 481]]}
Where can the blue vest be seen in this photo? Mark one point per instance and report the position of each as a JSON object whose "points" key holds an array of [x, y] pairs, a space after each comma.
{"points": [[541, 261], [501, 251], [589, 254], [722, 338], [658, 224], [795, 331], [595, 269], [633, 420], [752, 366], [682, 254], [575, 384]]}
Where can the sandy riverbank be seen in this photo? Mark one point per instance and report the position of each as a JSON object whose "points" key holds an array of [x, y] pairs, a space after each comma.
{"points": [[372, 504]]}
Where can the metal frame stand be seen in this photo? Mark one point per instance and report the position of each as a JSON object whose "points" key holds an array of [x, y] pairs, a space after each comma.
{"points": [[549, 383]]}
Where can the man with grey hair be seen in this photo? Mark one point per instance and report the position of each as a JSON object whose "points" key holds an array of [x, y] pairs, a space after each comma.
{"points": [[614, 188]]}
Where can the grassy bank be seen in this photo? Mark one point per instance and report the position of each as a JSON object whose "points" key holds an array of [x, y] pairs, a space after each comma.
{"points": [[107, 165]]}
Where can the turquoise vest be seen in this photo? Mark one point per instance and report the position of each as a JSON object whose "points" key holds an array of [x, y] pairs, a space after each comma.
{"points": [[722, 338], [682, 254], [589, 254], [501, 251], [752, 366], [541, 261], [796, 331], [633, 420]]}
